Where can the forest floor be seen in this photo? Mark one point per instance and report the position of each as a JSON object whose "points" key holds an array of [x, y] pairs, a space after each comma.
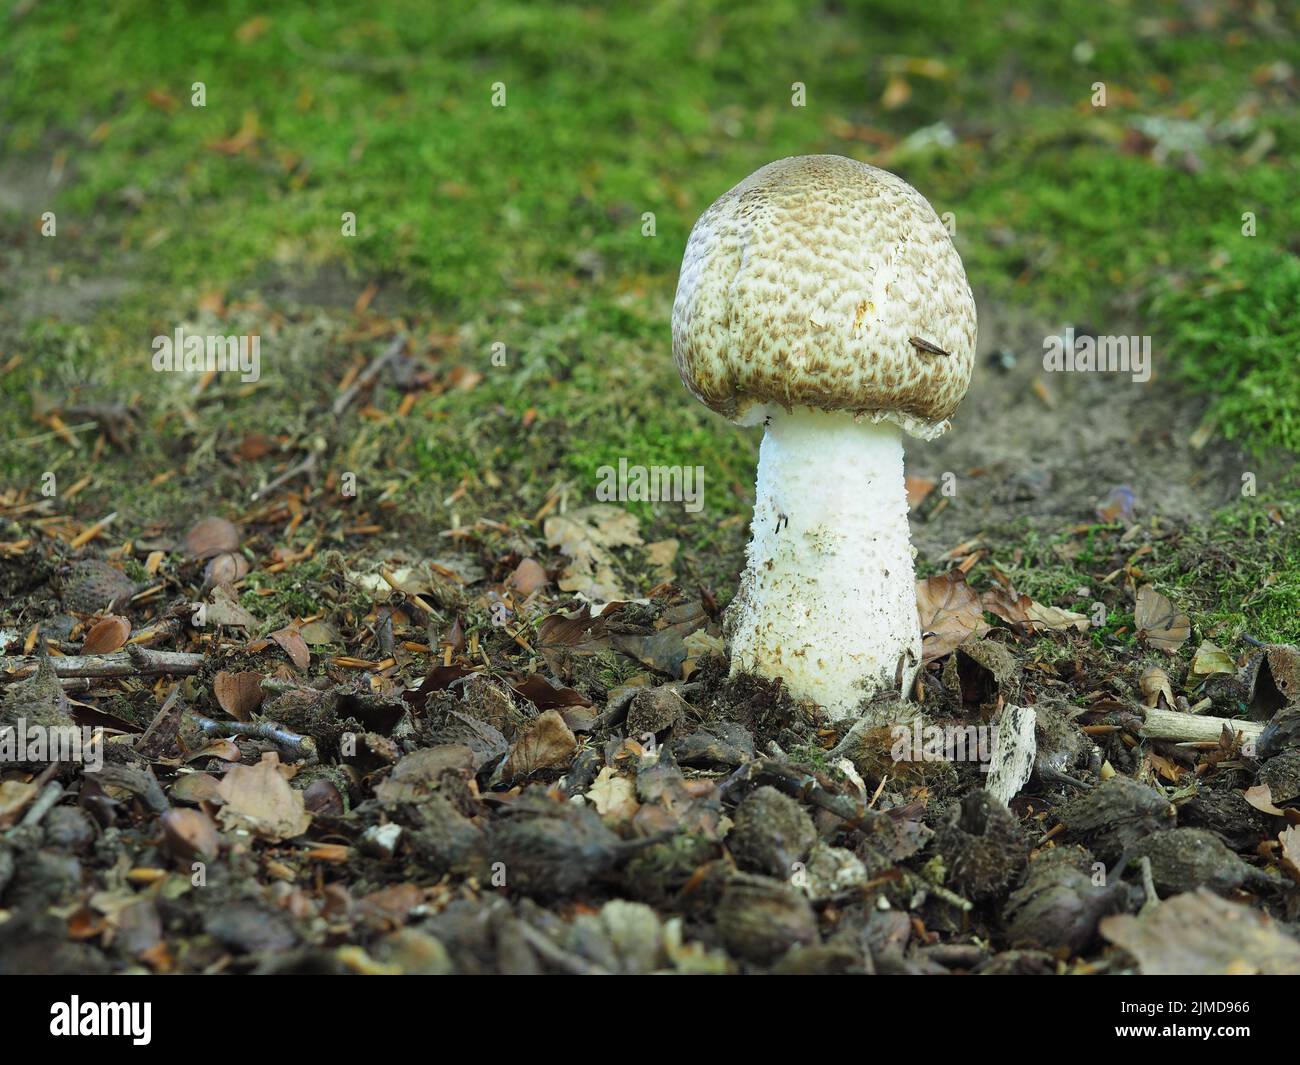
{"points": [[389, 545]]}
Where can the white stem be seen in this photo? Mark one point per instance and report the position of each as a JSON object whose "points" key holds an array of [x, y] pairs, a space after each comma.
{"points": [[828, 602]]}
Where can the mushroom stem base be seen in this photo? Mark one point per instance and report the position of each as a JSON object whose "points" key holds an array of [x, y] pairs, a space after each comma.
{"points": [[828, 601]]}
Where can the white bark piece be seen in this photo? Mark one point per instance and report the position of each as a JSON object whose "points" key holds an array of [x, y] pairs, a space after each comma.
{"points": [[1014, 750]]}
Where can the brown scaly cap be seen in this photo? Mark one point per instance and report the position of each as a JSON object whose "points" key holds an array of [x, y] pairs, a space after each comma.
{"points": [[809, 284]]}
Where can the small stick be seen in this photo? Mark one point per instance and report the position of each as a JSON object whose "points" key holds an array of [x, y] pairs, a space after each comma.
{"points": [[303, 747], [44, 803], [367, 375], [555, 954], [307, 465], [135, 661], [88, 534], [1160, 724]]}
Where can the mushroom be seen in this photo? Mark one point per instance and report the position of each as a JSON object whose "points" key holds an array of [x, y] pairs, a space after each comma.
{"points": [[823, 298]]}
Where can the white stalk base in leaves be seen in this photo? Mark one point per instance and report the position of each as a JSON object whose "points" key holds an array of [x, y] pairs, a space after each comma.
{"points": [[828, 601]]}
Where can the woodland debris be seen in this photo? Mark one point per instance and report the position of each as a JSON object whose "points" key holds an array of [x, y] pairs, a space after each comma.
{"points": [[982, 845], [1161, 724], [1015, 749], [1115, 815], [771, 833], [1184, 859], [760, 918], [1200, 934], [133, 662], [1059, 903]]}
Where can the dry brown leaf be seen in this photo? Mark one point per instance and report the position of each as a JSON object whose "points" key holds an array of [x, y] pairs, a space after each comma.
{"points": [[950, 613], [107, 635], [210, 537], [1056, 619], [259, 800], [238, 694], [1261, 798], [1011, 607], [1200, 934], [527, 578], [1159, 623], [586, 536], [14, 797], [548, 744], [190, 833], [195, 788], [545, 695], [613, 796], [1209, 660], [661, 555], [292, 643], [1155, 686], [1290, 842], [319, 633], [223, 610]]}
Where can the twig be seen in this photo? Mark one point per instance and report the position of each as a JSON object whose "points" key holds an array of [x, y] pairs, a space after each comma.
{"points": [[1148, 886], [44, 803], [556, 954], [303, 747], [345, 398], [133, 662], [163, 728], [307, 465], [1160, 724]]}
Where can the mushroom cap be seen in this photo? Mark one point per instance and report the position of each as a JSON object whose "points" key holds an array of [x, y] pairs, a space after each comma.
{"points": [[806, 284]]}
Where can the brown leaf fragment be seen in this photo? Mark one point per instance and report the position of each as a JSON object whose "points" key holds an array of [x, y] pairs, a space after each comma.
{"points": [[224, 610], [210, 537], [107, 635], [15, 796], [259, 800], [587, 537], [1290, 859], [664, 650], [190, 833], [1154, 683], [1010, 606], [562, 637], [1200, 934], [950, 613], [527, 578], [292, 643], [1261, 798], [1159, 623], [545, 696], [238, 694], [1055, 619], [548, 744]]}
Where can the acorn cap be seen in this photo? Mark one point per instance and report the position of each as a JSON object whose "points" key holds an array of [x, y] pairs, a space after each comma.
{"points": [[824, 282]]}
